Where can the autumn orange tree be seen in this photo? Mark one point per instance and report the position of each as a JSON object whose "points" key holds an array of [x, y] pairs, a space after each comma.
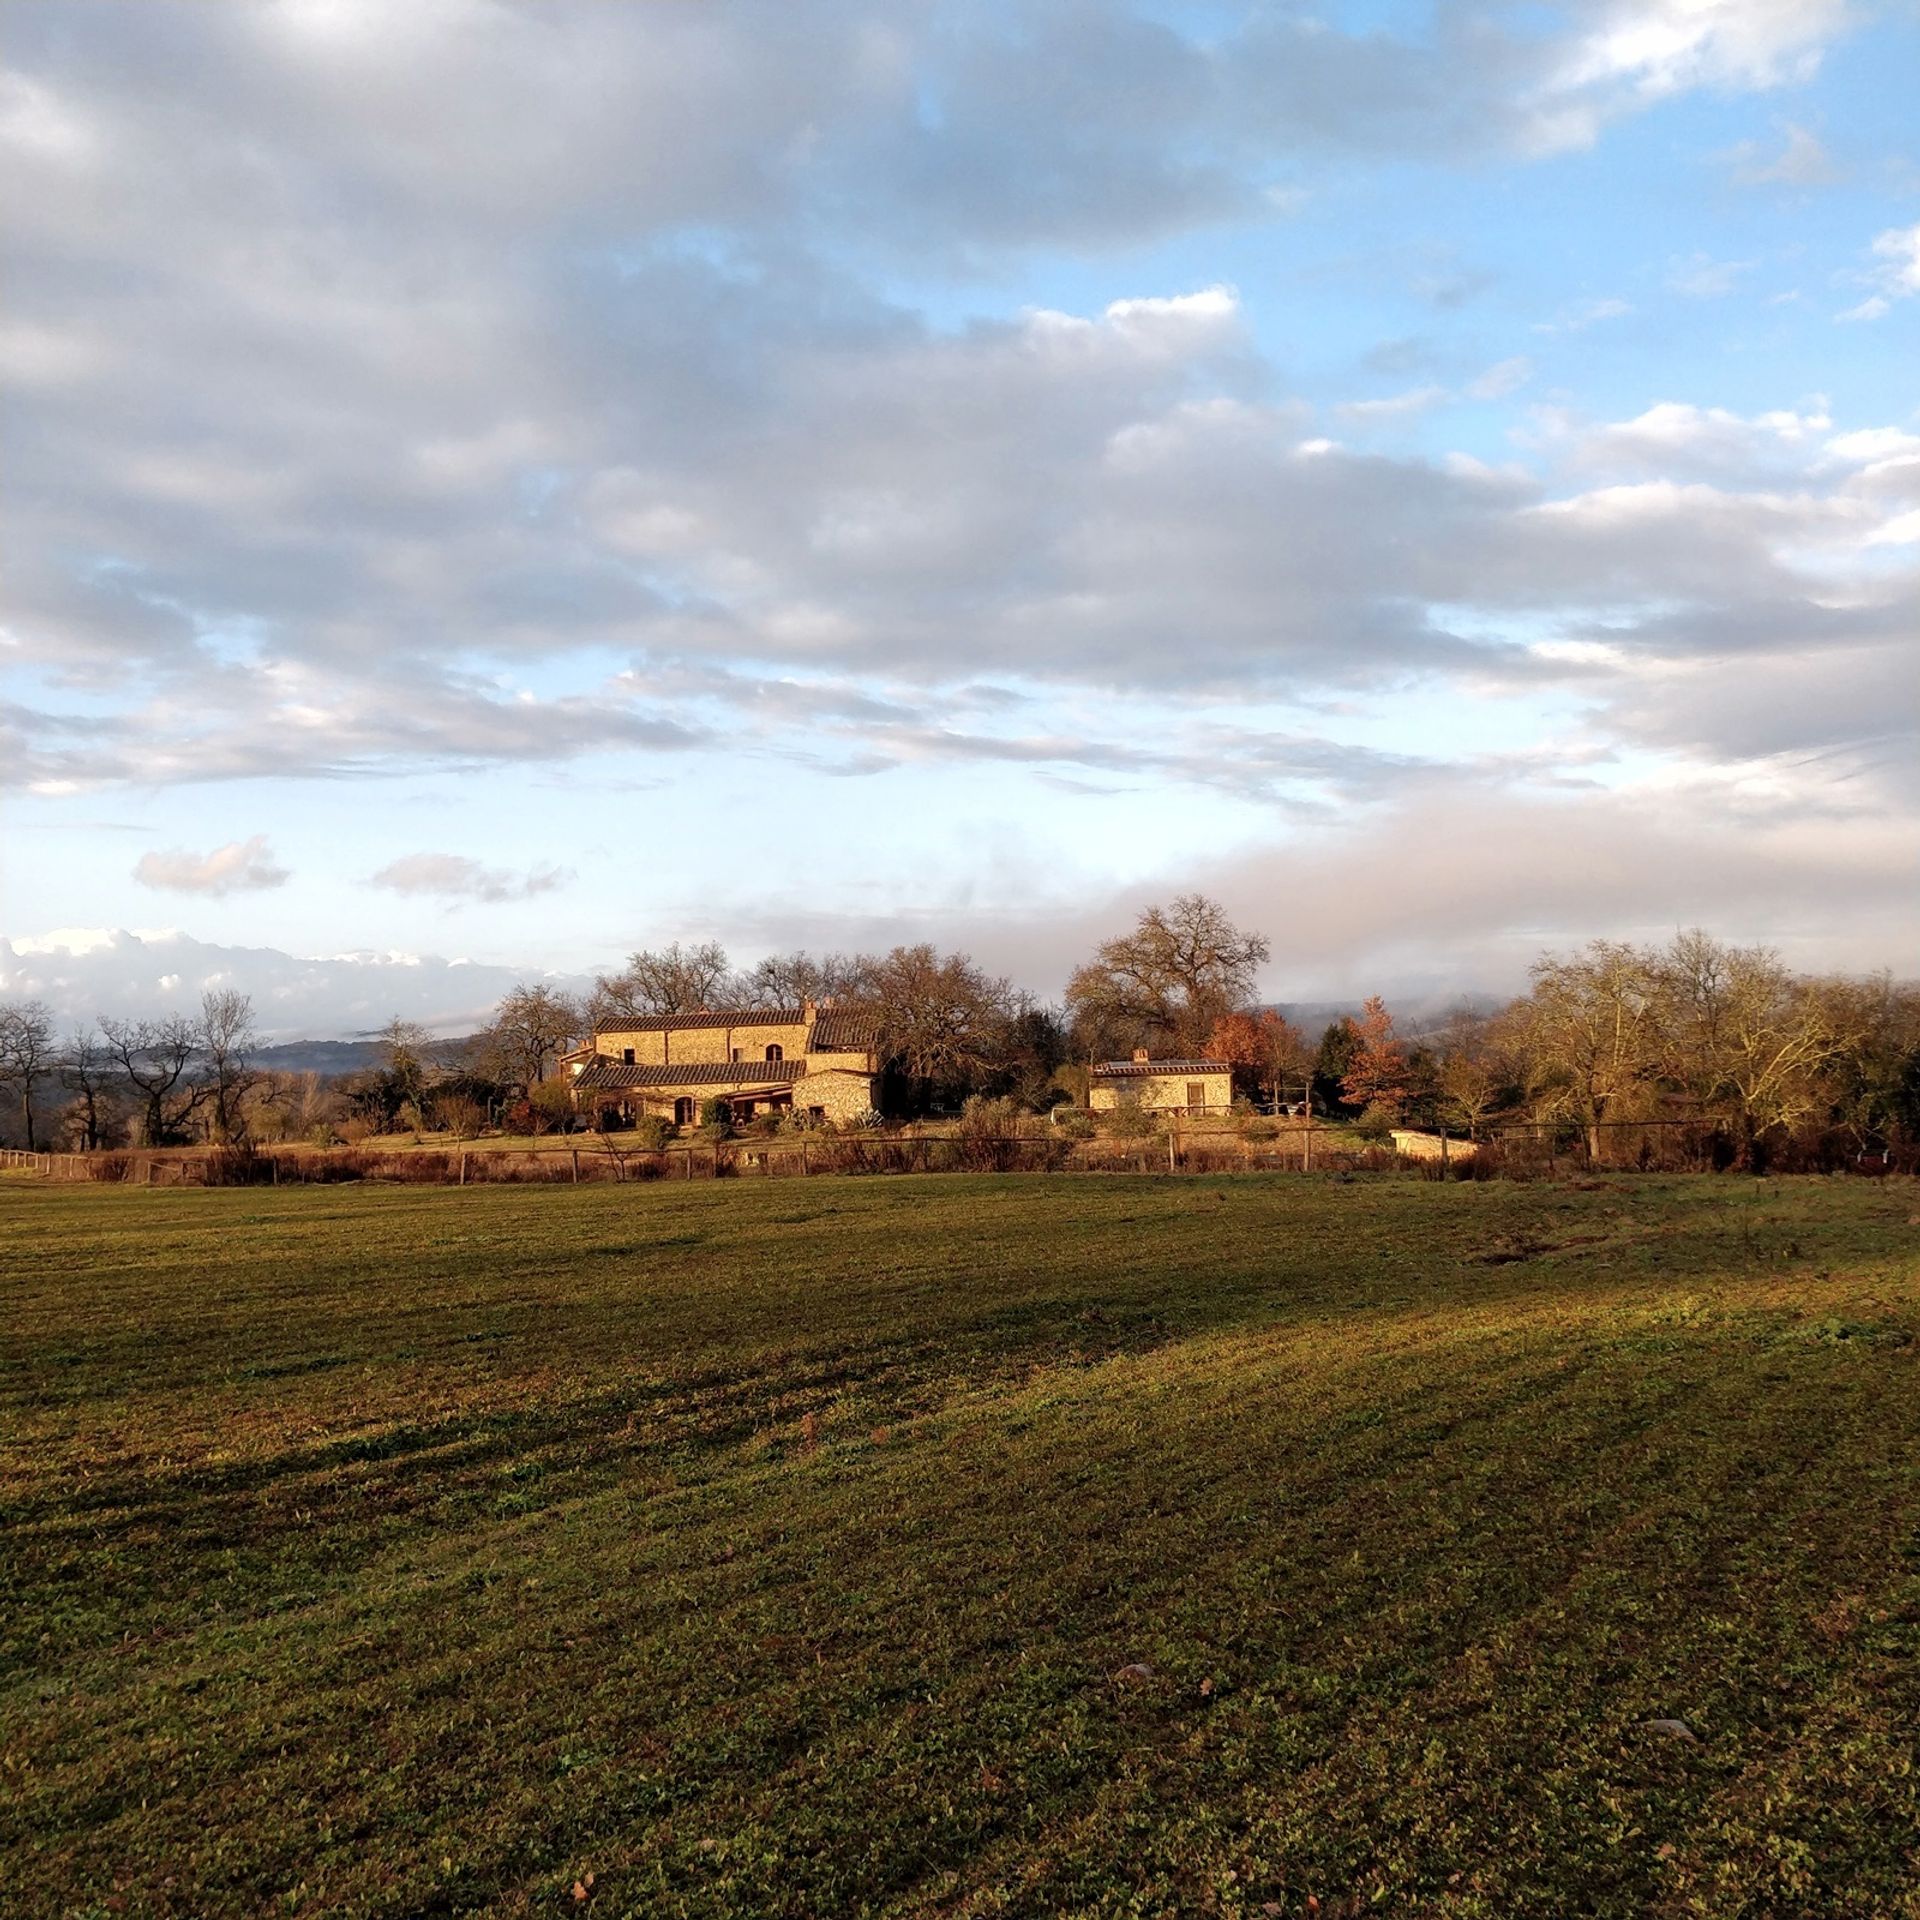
{"points": [[1379, 1074], [1262, 1049]]}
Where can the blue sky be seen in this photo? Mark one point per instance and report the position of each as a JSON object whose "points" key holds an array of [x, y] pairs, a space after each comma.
{"points": [[516, 483]]}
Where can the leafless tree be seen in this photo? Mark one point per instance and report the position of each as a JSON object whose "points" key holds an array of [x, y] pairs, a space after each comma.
{"points": [[529, 1032], [229, 1038], [1167, 982], [940, 1017], [26, 1055], [159, 1062], [88, 1073], [792, 979], [675, 979], [1589, 1034]]}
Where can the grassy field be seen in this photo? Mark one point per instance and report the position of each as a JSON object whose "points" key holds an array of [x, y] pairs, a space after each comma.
{"points": [[962, 1547]]}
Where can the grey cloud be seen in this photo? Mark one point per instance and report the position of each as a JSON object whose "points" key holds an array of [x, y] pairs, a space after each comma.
{"points": [[1801, 162], [456, 876], [317, 477]]}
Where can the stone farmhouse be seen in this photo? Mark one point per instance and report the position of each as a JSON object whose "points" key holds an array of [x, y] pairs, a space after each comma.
{"points": [[1161, 1086], [817, 1059]]}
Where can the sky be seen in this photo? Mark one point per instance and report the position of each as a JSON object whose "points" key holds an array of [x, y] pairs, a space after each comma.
{"points": [[488, 486]]}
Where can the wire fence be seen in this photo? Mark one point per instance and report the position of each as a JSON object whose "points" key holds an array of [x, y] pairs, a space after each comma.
{"points": [[1511, 1149]]}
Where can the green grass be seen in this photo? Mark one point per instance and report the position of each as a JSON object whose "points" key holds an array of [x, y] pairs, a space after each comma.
{"points": [[780, 1548]]}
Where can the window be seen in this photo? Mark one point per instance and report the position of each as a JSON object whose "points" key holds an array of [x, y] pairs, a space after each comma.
{"points": [[683, 1112], [733, 1053], [626, 1054], [1196, 1093], [776, 1053]]}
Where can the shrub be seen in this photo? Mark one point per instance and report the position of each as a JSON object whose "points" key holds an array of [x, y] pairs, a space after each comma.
{"points": [[1261, 1127], [1130, 1120], [1073, 1123], [651, 1133], [1377, 1123], [988, 1137], [237, 1166], [869, 1120]]}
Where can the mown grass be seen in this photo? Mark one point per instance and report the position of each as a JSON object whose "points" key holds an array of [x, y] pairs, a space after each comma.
{"points": [[962, 1547]]}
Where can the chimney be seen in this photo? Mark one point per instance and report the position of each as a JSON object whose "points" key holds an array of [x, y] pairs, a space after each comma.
{"points": [[808, 1010], [1140, 1054]]}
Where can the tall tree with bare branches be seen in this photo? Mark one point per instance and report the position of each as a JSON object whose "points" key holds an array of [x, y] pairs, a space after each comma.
{"points": [[1165, 984], [159, 1062], [26, 1056]]}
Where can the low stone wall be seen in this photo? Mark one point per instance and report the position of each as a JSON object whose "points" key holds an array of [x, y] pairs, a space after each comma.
{"points": [[1430, 1146]]}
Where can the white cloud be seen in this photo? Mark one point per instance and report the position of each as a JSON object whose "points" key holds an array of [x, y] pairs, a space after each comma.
{"points": [[1503, 378], [1394, 406], [1585, 313], [456, 876], [1638, 52], [1701, 277], [241, 866], [83, 972], [1801, 162]]}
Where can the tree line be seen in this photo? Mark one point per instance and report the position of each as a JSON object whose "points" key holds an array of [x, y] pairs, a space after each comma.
{"points": [[1608, 1038]]}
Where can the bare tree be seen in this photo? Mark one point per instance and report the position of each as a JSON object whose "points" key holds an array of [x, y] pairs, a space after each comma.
{"points": [[1589, 1033], [792, 979], [939, 1016], [88, 1073], [675, 979], [1166, 983], [1474, 1071], [529, 1032], [158, 1060], [1745, 1037], [26, 1055], [228, 1035], [406, 1050]]}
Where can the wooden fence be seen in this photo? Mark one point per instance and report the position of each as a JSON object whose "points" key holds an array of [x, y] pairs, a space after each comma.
{"points": [[594, 1159]]}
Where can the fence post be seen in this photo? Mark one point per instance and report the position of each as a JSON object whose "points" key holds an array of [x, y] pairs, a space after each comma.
{"points": [[462, 1181], [575, 1152]]}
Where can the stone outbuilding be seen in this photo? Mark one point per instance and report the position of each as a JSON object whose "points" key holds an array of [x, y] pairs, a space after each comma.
{"points": [[817, 1059], [1161, 1086]]}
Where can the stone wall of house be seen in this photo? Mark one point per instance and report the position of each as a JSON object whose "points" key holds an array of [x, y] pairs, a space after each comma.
{"points": [[843, 1094], [1159, 1093], [704, 1045], [1426, 1146]]}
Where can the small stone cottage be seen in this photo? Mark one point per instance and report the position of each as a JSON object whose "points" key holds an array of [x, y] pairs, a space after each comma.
{"points": [[817, 1059], [1161, 1086]]}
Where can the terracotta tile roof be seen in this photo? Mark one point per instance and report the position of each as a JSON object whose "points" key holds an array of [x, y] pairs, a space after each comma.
{"points": [[609, 1076], [842, 1030], [1133, 1069], [726, 1017]]}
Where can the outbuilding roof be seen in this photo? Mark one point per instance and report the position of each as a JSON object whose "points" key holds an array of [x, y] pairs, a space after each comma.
{"points": [[1137, 1069]]}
